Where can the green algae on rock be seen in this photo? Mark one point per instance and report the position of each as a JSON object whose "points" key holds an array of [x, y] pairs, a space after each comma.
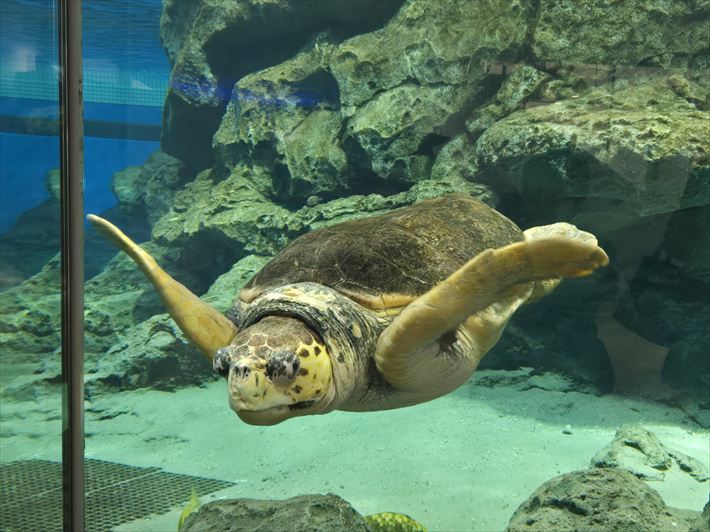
{"points": [[201, 40], [644, 33], [640, 145]]}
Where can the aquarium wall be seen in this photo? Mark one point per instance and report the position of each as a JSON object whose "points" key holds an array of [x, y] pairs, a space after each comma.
{"points": [[218, 132]]}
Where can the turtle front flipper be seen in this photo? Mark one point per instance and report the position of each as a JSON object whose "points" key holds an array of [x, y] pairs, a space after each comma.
{"points": [[560, 229], [493, 276], [203, 325]]}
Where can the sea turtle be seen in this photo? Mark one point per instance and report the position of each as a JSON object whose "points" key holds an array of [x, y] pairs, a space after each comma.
{"points": [[374, 313]]}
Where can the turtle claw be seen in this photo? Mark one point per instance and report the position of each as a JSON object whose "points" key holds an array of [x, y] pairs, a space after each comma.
{"points": [[558, 257]]}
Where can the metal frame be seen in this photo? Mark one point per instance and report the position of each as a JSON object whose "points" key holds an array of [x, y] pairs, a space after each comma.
{"points": [[71, 146]]}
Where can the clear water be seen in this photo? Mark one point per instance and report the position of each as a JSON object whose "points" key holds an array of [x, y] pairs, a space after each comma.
{"points": [[126, 76], [290, 120]]}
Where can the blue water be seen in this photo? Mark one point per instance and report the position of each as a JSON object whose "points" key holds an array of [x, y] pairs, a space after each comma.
{"points": [[122, 33], [120, 36]]}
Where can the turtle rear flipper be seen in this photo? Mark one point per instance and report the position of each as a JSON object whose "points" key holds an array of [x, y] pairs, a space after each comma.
{"points": [[502, 276]]}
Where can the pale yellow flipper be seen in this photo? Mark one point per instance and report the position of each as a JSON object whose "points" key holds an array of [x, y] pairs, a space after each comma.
{"points": [[543, 287], [484, 280], [203, 325]]}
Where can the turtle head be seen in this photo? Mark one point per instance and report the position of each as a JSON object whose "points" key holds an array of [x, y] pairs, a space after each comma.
{"points": [[277, 368]]}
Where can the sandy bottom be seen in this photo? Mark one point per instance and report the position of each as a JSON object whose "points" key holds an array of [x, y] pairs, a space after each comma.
{"points": [[461, 463]]}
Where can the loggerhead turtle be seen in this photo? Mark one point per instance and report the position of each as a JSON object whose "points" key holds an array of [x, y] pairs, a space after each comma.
{"points": [[375, 313]]}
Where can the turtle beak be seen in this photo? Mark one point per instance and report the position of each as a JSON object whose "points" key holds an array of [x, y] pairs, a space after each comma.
{"points": [[204, 326]]}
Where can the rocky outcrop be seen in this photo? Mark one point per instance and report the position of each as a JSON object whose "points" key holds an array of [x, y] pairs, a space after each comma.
{"points": [[632, 151], [29, 244], [356, 117], [597, 499], [284, 123], [643, 33], [297, 514], [212, 44], [405, 100], [702, 522], [611, 495], [640, 452], [148, 190]]}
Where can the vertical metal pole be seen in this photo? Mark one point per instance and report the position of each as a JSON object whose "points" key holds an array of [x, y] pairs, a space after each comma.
{"points": [[71, 145]]}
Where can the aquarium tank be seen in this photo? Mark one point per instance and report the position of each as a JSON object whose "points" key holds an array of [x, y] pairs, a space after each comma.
{"points": [[307, 221]]}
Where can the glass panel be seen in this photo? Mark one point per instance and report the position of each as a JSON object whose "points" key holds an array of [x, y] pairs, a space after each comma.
{"points": [[258, 122], [30, 397]]}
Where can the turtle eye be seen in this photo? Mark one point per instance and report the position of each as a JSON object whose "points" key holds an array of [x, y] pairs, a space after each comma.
{"points": [[282, 367], [220, 362]]}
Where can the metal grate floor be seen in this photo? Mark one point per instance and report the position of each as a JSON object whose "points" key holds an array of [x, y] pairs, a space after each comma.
{"points": [[31, 494]]}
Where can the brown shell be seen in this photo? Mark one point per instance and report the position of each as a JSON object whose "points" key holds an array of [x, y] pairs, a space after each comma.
{"points": [[389, 259]]}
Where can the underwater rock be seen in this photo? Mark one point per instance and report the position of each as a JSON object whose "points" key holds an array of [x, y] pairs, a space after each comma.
{"points": [[605, 160], [229, 215], [520, 85], [144, 193], [645, 32], [52, 184], [640, 452], [597, 499], [406, 88], [702, 523], [284, 120], [455, 160], [303, 513], [636, 450], [358, 206], [669, 308], [212, 44], [115, 299], [684, 245], [305, 124], [524, 378], [149, 188], [30, 317], [33, 239], [29, 244], [154, 354], [429, 43], [396, 134]]}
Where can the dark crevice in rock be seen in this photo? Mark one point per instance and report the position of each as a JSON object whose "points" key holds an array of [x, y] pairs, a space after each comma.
{"points": [[148, 304], [569, 505], [282, 183], [320, 89], [431, 144], [203, 123], [527, 54], [363, 177], [277, 34], [208, 257]]}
